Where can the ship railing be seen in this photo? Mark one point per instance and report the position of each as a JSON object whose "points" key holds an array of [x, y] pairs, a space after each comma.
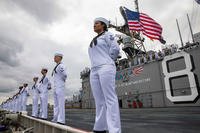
{"points": [[43, 126]]}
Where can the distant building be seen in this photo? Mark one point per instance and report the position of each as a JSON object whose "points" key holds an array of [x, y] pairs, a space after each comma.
{"points": [[197, 37]]}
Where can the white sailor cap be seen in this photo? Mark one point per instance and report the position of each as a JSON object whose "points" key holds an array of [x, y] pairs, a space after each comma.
{"points": [[44, 68], [102, 20], [58, 54], [36, 76]]}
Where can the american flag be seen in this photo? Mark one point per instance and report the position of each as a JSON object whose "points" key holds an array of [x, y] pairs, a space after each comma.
{"points": [[137, 70], [142, 22]]}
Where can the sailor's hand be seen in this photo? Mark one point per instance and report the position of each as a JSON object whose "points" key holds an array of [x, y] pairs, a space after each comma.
{"points": [[64, 78]]}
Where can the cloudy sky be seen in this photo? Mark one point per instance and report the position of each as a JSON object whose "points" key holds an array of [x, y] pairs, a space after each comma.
{"points": [[31, 31]]}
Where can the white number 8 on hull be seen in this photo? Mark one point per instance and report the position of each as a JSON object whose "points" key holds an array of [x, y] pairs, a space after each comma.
{"points": [[187, 71]]}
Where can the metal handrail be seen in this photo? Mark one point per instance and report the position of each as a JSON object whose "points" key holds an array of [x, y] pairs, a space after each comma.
{"points": [[43, 126]]}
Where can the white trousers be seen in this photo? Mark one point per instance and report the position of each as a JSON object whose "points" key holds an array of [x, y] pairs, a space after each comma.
{"points": [[35, 106], [43, 106], [15, 105], [59, 105], [102, 81], [19, 104], [24, 101]]}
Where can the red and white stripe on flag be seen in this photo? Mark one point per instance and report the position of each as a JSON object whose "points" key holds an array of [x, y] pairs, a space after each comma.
{"points": [[147, 26]]}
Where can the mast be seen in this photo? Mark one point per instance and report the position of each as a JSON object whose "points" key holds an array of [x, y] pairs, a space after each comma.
{"points": [[133, 42], [190, 28], [136, 5], [141, 45], [179, 33]]}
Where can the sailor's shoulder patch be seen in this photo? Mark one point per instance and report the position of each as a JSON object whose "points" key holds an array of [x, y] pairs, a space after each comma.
{"points": [[61, 68], [112, 37]]}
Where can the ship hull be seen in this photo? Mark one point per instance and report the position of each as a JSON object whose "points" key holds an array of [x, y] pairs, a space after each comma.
{"points": [[169, 82]]}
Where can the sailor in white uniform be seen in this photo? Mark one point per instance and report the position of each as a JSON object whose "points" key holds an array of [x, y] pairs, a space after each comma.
{"points": [[35, 95], [19, 99], [9, 104], [15, 103], [156, 56], [59, 77], [24, 94], [44, 86], [103, 52], [12, 104]]}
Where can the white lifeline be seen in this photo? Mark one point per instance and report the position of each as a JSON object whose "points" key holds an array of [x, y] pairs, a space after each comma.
{"points": [[102, 80], [44, 84], [35, 94], [59, 77], [24, 96]]}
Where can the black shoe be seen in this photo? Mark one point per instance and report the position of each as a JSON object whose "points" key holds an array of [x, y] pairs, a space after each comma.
{"points": [[99, 131], [43, 118], [61, 123]]}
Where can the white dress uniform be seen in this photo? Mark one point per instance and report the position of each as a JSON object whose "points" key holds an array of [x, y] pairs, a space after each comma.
{"points": [[8, 108], [150, 57], [35, 94], [156, 56], [145, 59], [59, 76], [15, 103], [5, 106], [12, 105], [102, 81], [44, 85], [19, 102], [139, 60], [24, 95]]}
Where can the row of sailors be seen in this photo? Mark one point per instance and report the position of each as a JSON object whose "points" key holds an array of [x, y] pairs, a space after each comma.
{"points": [[149, 57], [103, 52], [144, 58], [40, 94], [157, 55], [18, 102]]}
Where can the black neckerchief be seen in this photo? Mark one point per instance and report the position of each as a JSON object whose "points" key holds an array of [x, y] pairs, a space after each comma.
{"points": [[34, 86], [54, 70], [41, 81], [23, 90], [94, 40]]}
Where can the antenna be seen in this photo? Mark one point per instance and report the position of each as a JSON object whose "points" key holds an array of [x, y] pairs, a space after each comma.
{"points": [[190, 28], [179, 33]]}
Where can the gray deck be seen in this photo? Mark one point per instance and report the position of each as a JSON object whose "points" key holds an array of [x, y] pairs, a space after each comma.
{"points": [[157, 120]]}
